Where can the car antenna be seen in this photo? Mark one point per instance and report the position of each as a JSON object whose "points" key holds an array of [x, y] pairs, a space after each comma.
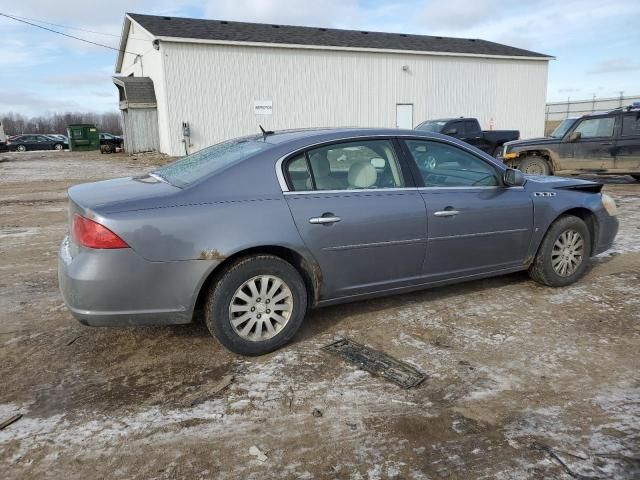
{"points": [[265, 133]]}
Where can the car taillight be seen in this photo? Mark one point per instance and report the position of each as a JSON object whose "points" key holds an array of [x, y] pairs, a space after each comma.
{"points": [[91, 234]]}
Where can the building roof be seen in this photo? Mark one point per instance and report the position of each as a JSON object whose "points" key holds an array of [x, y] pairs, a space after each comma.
{"points": [[138, 91], [226, 31]]}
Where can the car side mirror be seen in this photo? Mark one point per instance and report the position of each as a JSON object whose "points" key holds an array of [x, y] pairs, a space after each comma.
{"points": [[575, 136], [513, 178], [451, 131]]}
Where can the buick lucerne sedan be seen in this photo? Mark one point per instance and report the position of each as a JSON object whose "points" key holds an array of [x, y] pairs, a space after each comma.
{"points": [[257, 230]]}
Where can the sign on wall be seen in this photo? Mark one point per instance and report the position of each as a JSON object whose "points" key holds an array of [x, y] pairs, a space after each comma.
{"points": [[263, 107]]}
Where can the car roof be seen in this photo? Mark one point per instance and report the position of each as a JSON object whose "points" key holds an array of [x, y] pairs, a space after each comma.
{"points": [[326, 134]]}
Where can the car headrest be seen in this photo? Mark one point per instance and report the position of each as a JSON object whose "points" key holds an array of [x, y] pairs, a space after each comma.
{"points": [[320, 164], [362, 175]]}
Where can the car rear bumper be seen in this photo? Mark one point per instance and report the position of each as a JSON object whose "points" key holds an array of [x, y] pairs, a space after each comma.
{"points": [[120, 288]]}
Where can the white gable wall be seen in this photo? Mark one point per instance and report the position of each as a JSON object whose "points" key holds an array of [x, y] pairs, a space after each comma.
{"points": [[213, 87]]}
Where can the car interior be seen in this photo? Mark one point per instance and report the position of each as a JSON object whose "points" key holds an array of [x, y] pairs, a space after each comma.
{"points": [[347, 166], [442, 165]]}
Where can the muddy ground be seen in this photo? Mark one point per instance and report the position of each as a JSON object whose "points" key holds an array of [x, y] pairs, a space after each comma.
{"points": [[520, 376]]}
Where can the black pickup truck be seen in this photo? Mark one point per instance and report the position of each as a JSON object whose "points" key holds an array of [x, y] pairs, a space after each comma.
{"points": [[468, 130]]}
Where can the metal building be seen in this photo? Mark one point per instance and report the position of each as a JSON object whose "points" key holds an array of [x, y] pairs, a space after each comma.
{"points": [[214, 80]]}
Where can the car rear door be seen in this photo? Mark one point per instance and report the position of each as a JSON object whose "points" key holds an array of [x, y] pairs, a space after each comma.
{"points": [[594, 150], [475, 224], [627, 158], [359, 214]]}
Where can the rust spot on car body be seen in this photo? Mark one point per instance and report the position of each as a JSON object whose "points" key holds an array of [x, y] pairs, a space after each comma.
{"points": [[316, 278], [211, 254]]}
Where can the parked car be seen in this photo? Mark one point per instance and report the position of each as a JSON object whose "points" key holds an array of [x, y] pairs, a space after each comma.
{"points": [[468, 130], [22, 143], [605, 144], [57, 136], [255, 231], [109, 142]]}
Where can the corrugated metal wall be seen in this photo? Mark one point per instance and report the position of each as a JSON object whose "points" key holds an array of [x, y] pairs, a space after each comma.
{"points": [[141, 130], [214, 87]]}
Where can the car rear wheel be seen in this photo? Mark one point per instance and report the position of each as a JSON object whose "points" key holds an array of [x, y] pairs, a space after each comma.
{"points": [[58, 146], [563, 255], [535, 165], [21, 148], [257, 305], [636, 177]]}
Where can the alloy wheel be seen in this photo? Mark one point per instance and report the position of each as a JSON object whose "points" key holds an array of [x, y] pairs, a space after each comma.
{"points": [[260, 308], [567, 253]]}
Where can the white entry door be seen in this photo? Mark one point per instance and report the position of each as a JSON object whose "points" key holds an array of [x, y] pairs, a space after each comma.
{"points": [[404, 115]]}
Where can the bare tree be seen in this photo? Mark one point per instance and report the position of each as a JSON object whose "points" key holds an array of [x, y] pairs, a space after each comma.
{"points": [[16, 123]]}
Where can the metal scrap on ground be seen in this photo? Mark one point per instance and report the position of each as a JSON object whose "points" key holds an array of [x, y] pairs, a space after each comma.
{"points": [[201, 395], [377, 363], [10, 420]]}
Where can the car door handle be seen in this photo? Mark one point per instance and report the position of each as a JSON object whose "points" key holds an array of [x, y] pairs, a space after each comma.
{"points": [[324, 220], [446, 213], [606, 143]]}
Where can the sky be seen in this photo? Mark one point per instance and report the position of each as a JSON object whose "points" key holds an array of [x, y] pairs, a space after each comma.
{"points": [[596, 43]]}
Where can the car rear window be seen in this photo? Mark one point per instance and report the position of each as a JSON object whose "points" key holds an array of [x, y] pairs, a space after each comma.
{"points": [[209, 160]]}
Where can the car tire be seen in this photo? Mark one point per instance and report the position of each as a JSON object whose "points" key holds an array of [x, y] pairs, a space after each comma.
{"points": [[535, 165], [567, 238], [58, 146], [21, 148], [636, 178], [239, 309]]}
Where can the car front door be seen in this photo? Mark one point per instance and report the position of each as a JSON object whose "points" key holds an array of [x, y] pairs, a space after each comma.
{"points": [[473, 135], [628, 144], [359, 214], [44, 143], [590, 146], [475, 223]]}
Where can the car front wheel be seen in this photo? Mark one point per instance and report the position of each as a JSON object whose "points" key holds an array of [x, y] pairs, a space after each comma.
{"points": [[535, 165], [257, 305], [563, 255], [58, 146], [21, 148], [636, 178]]}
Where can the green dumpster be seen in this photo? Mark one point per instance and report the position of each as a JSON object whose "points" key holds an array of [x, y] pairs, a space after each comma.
{"points": [[83, 137]]}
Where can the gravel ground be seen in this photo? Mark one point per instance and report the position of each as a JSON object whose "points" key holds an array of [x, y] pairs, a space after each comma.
{"points": [[520, 377]]}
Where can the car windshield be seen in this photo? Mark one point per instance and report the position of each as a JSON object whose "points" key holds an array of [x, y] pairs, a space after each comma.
{"points": [[209, 160], [563, 128], [432, 126]]}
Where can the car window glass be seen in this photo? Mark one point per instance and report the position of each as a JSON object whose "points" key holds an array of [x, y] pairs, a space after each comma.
{"points": [[443, 165], [209, 160], [596, 127], [42, 139], [298, 174], [457, 126], [472, 128], [356, 165], [631, 125]]}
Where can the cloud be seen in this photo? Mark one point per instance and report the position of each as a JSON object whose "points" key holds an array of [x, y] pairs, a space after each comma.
{"points": [[455, 15], [80, 79], [612, 65]]}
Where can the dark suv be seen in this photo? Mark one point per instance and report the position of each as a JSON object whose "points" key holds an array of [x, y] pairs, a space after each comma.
{"points": [[606, 144]]}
